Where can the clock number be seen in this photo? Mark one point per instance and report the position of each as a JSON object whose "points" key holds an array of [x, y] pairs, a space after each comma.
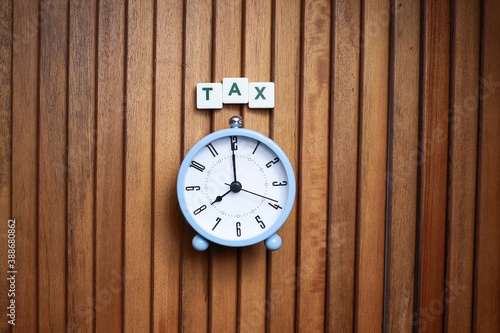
{"points": [[198, 166], [192, 188], [275, 206], [260, 222], [273, 162], [212, 149], [238, 229], [216, 223], [199, 210], [283, 183], [234, 141], [257, 146]]}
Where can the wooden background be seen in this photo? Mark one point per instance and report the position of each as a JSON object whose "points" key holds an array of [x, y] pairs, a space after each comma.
{"points": [[388, 110]]}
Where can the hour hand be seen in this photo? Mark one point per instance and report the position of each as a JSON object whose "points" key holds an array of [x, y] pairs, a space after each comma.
{"points": [[219, 197]]}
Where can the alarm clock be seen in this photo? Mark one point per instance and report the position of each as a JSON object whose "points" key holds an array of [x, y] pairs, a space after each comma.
{"points": [[236, 187]]}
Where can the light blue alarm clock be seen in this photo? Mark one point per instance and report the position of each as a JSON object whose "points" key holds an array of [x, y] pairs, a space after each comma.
{"points": [[236, 187]]}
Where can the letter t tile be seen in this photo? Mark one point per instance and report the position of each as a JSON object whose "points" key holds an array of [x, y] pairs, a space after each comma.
{"points": [[209, 95]]}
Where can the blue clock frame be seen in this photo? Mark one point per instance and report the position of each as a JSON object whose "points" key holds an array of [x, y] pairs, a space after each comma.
{"points": [[272, 240]]}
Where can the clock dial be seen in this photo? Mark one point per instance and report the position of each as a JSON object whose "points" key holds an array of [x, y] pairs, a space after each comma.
{"points": [[235, 188]]}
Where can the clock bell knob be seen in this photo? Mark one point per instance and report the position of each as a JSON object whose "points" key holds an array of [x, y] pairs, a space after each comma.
{"points": [[273, 243], [199, 243], [235, 121]]}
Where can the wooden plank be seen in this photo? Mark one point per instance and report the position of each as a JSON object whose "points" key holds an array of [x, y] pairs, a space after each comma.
{"points": [[462, 165], [107, 307], [138, 165], [7, 251], [223, 260], [343, 165], [227, 53], [167, 158], [285, 128], [257, 67], [487, 265], [433, 164], [81, 163], [313, 177], [402, 176], [196, 124], [52, 178], [372, 166], [24, 158]]}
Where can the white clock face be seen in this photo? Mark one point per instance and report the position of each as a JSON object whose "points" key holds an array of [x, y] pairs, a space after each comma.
{"points": [[235, 188]]}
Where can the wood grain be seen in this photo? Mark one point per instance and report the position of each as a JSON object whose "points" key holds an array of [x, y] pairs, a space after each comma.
{"points": [[343, 166], [167, 158], [372, 166], [53, 167], [285, 131], [402, 169], [107, 305], [487, 264], [256, 66], [195, 125], [462, 165], [313, 176], [5, 149], [81, 163], [433, 161], [24, 158], [138, 166]]}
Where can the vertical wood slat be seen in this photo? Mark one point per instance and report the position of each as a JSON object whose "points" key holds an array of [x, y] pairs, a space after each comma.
{"points": [[24, 158], [372, 166], [462, 165], [107, 304], [167, 131], [343, 166], [227, 54], [226, 62], [313, 176], [53, 167], [402, 170], [487, 265], [81, 163], [433, 164], [286, 68], [256, 66], [196, 124], [6, 155], [138, 165]]}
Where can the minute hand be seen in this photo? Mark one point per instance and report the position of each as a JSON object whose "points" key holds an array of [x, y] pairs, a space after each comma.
{"points": [[259, 195], [234, 140]]}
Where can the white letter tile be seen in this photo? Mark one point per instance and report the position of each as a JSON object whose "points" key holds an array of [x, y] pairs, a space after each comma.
{"points": [[209, 95], [235, 90], [261, 95]]}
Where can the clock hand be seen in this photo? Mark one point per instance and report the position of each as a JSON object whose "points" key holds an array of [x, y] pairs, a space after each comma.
{"points": [[234, 166], [234, 147], [259, 195], [219, 197]]}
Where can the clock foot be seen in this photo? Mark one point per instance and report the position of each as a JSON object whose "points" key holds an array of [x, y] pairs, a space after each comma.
{"points": [[199, 243], [273, 243]]}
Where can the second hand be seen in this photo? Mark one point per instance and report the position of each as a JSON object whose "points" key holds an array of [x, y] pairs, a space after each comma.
{"points": [[259, 195]]}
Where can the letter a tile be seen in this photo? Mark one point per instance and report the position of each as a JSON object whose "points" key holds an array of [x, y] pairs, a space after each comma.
{"points": [[235, 90]]}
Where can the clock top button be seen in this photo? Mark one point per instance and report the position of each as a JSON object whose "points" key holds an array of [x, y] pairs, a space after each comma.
{"points": [[235, 121]]}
